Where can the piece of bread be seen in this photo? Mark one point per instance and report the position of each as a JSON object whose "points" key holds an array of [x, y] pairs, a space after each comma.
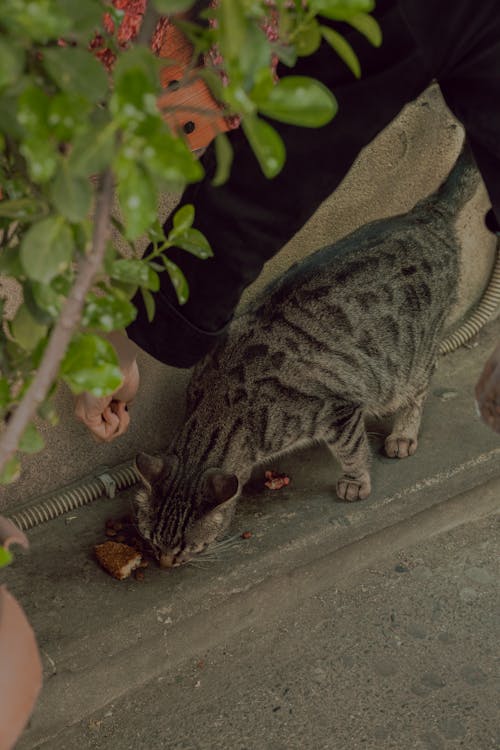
{"points": [[118, 559]]}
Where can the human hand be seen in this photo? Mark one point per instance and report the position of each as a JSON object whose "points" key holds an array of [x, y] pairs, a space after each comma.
{"points": [[488, 391], [107, 417]]}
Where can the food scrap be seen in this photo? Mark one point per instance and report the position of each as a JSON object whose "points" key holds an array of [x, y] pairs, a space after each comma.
{"points": [[118, 559], [275, 481], [124, 552]]}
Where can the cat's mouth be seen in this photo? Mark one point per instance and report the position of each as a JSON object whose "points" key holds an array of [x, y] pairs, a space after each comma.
{"points": [[173, 561], [206, 553]]}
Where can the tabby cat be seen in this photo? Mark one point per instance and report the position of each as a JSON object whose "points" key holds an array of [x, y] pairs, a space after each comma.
{"points": [[349, 332]]}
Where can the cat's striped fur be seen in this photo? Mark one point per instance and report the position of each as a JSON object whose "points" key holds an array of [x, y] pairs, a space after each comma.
{"points": [[351, 331]]}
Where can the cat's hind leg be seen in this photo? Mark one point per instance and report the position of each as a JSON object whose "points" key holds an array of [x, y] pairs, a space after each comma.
{"points": [[403, 440], [348, 442]]}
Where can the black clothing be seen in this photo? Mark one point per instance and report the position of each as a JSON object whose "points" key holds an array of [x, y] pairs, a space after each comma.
{"points": [[250, 218]]}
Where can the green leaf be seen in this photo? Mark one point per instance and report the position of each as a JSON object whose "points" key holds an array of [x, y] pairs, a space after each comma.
{"points": [[307, 40], [22, 209], [41, 21], [134, 97], [6, 556], [47, 412], [142, 60], [47, 249], [299, 100], [9, 110], [91, 364], [86, 17], [134, 271], [31, 441], [255, 54], [343, 49], [41, 157], [169, 7], [341, 10], [93, 151], [25, 330], [43, 303], [11, 62], [11, 471], [232, 26], [224, 155], [178, 280], [138, 197], [193, 241], [76, 71], [33, 111], [67, 115], [368, 26], [71, 195], [266, 144], [183, 218], [4, 392], [10, 262], [167, 156], [286, 53], [149, 303], [108, 313]]}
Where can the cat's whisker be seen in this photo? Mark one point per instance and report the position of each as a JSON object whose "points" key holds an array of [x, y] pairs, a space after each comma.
{"points": [[197, 564], [229, 542]]}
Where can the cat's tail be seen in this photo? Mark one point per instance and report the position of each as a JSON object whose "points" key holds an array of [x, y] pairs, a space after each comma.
{"points": [[460, 185]]}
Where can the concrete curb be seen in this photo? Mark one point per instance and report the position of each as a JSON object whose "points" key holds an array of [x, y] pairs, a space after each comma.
{"points": [[74, 695], [101, 639]]}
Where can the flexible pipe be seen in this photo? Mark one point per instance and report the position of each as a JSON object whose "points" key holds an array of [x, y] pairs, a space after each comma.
{"points": [[488, 304], [125, 475], [107, 482]]}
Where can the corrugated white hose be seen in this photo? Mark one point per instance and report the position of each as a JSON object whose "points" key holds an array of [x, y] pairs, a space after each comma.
{"points": [[123, 476], [106, 482], [484, 311]]}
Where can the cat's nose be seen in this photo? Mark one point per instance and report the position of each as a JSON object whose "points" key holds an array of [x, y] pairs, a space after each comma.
{"points": [[167, 561]]}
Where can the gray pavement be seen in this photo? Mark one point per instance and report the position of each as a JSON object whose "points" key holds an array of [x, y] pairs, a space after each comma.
{"points": [[338, 613], [403, 656]]}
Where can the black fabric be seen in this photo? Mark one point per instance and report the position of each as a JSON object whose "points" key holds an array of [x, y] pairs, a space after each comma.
{"points": [[249, 219], [492, 222]]}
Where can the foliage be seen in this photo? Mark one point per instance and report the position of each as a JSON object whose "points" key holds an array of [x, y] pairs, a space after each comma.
{"points": [[5, 556], [66, 119]]}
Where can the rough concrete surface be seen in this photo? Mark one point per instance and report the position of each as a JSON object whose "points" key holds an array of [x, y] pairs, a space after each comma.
{"points": [[405, 162], [104, 641], [403, 656]]}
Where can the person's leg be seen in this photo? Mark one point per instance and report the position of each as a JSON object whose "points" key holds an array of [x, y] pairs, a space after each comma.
{"points": [[249, 219], [469, 76]]}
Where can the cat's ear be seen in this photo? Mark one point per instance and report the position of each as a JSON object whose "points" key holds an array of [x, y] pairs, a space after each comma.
{"points": [[151, 468], [220, 487]]}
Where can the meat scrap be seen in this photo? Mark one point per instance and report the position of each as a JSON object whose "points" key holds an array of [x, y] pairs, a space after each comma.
{"points": [[275, 481]]}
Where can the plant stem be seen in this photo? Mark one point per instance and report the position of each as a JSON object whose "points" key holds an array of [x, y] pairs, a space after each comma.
{"points": [[148, 24], [65, 327]]}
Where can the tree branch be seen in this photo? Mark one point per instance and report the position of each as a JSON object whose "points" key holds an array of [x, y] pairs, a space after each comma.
{"points": [[65, 327], [148, 24]]}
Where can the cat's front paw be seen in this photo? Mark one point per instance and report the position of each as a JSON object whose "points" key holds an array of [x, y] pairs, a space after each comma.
{"points": [[351, 489], [397, 446]]}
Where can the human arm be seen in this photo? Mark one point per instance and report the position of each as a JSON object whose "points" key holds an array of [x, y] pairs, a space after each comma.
{"points": [[107, 417], [488, 391]]}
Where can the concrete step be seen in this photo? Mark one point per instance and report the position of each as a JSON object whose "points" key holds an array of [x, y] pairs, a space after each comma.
{"points": [[101, 639], [397, 655]]}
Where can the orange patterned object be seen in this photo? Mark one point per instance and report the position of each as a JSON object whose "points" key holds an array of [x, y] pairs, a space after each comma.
{"points": [[187, 104]]}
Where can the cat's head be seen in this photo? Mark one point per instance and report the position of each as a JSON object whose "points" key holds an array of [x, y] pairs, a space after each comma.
{"points": [[180, 516]]}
